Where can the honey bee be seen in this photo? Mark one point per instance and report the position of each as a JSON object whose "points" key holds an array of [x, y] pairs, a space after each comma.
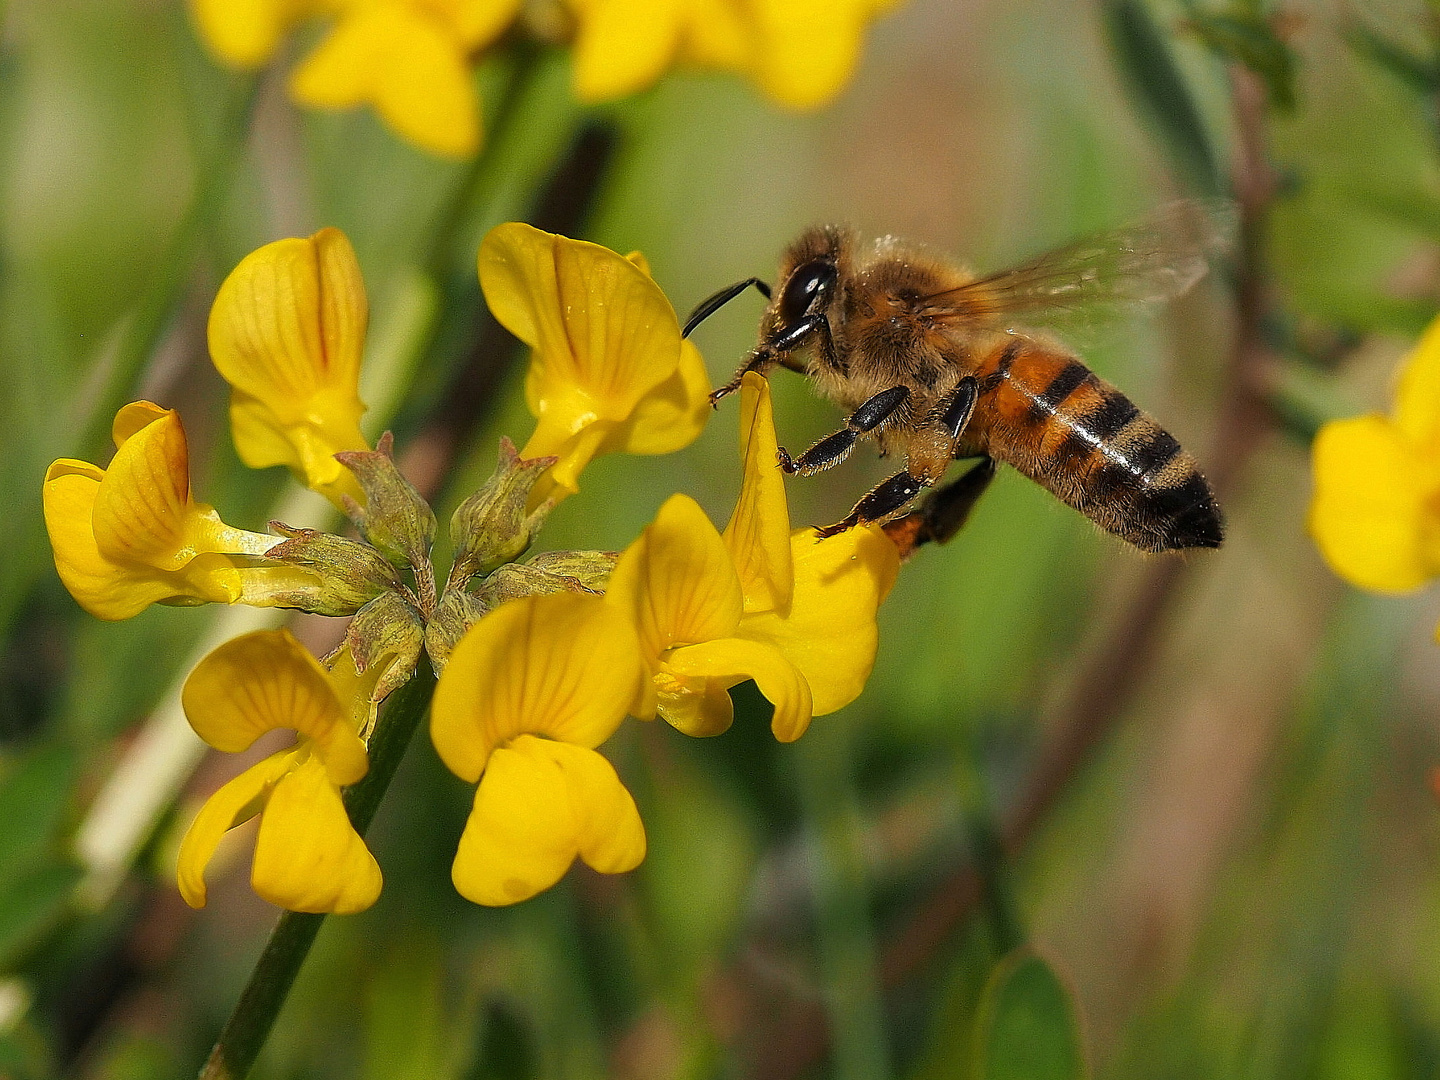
{"points": [[939, 365]]}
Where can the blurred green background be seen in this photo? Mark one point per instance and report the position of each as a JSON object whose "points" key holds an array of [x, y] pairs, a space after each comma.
{"points": [[1199, 790]]}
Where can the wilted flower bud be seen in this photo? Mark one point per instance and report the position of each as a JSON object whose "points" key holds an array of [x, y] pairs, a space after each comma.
{"points": [[349, 574], [395, 519]]}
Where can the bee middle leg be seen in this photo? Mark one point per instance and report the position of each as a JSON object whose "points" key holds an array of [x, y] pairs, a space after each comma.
{"points": [[833, 449]]}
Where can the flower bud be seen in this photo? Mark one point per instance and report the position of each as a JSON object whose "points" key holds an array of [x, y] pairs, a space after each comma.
{"points": [[491, 527], [395, 519], [348, 573]]}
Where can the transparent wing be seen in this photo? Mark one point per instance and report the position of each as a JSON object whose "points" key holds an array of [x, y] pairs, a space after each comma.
{"points": [[1157, 259]]}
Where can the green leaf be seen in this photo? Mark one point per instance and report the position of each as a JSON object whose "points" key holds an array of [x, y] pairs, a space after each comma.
{"points": [[1026, 1027], [34, 796], [1250, 39], [1145, 58]]}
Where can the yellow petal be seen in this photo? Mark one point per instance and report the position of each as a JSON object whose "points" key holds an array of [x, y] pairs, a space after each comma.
{"points": [[1373, 511], [308, 857], [539, 804], [412, 66], [830, 633], [286, 332], [676, 582], [244, 33], [807, 50], [716, 34], [480, 22], [758, 535], [1417, 397], [235, 803], [733, 660], [265, 680], [623, 46], [671, 416], [699, 707], [574, 449], [144, 497], [602, 334], [564, 665], [118, 589]]}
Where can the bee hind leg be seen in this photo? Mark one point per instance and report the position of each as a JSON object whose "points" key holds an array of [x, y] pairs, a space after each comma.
{"points": [[945, 512], [882, 501], [834, 449]]}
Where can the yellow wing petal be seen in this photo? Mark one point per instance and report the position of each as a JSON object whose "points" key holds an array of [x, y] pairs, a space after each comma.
{"points": [[237, 802], [562, 665], [265, 680], [308, 857], [1373, 514], [539, 804], [676, 582], [144, 497], [830, 633], [733, 660], [671, 416]]}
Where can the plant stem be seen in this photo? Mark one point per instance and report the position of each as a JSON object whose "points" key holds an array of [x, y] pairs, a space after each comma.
{"points": [[245, 1032]]}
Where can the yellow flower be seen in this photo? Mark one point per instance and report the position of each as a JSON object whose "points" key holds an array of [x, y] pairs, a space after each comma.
{"points": [[624, 46], [130, 536], [411, 60], [286, 332], [806, 51], [245, 33], [308, 857], [800, 52], [608, 368], [794, 613], [526, 696], [1375, 514]]}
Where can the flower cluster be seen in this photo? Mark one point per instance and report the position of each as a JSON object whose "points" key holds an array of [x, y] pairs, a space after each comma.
{"points": [[540, 661], [1375, 514], [412, 60]]}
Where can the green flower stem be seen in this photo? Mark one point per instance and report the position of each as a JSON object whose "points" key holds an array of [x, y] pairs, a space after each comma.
{"points": [[264, 995]]}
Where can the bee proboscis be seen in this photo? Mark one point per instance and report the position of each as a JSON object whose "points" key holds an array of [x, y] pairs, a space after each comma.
{"points": [[939, 365]]}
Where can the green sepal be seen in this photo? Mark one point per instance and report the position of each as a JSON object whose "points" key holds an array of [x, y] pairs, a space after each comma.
{"points": [[348, 574], [456, 613], [395, 518], [590, 569], [491, 527], [515, 581]]}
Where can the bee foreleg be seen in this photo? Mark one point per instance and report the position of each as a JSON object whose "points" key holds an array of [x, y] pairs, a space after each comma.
{"points": [[945, 512], [833, 449], [882, 501]]}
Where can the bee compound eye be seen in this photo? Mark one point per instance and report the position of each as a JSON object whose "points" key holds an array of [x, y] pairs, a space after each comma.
{"points": [[808, 281]]}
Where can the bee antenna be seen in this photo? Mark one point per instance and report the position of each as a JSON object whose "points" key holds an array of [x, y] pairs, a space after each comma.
{"points": [[712, 304]]}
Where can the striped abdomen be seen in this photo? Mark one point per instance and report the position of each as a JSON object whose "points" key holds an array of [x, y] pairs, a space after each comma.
{"points": [[1060, 424]]}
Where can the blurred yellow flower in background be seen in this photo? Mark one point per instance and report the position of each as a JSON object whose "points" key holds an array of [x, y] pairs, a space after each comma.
{"points": [[308, 857], [1375, 514], [287, 332], [412, 60], [792, 612], [525, 698], [801, 53], [608, 371], [131, 535]]}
